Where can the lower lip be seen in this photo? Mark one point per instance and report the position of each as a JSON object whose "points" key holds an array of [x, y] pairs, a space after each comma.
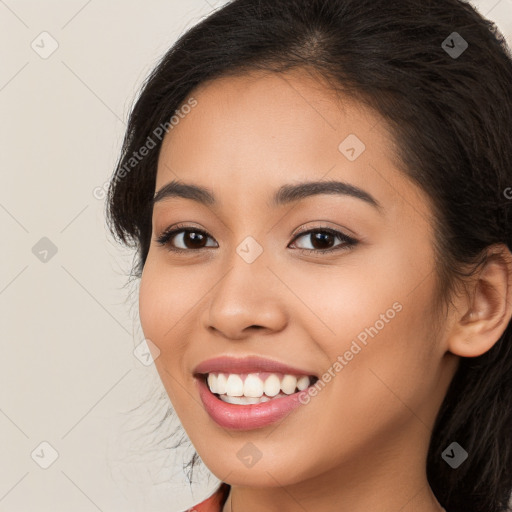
{"points": [[246, 417]]}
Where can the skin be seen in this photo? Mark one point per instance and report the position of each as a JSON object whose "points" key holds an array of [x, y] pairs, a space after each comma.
{"points": [[361, 443]]}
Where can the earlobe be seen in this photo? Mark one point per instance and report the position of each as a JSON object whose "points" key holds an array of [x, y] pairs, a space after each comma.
{"points": [[488, 307]]}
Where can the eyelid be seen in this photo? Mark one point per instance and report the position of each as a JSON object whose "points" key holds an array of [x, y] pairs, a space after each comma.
{"points": [[306, 229]]}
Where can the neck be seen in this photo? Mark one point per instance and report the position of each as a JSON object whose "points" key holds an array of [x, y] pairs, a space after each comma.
{"points": [[249, 500], [383, 482]]}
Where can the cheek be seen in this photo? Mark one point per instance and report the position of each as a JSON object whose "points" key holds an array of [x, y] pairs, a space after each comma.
{"points": [[163, 303], [166, 296], [151, 301], [379, 317], [378, 298], [343, 300]]}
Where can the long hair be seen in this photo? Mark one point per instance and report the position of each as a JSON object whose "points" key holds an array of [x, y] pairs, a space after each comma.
{"points": [[440, 75]]}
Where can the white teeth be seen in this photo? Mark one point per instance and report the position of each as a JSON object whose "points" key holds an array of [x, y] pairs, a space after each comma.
{"points": [[234, 385], [212, 381], [272, 385], [302, 382], [288, 384], [220, 384], [253, 386]]}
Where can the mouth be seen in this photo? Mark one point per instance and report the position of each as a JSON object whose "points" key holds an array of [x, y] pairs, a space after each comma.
{"points": [[250, 392], [226, 397], [254, 388]]}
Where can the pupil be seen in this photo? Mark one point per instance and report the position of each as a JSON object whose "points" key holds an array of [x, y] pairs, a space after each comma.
{"points": [[321, 237], [195, 237]]}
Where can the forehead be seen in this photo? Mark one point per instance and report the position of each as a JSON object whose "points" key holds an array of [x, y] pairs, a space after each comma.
{"points": [[284, 113], [257, 131]]}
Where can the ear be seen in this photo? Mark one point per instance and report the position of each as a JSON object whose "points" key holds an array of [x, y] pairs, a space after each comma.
{"points": [[487, 308]]}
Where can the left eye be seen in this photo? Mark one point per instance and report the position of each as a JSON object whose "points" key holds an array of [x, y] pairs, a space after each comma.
{"points": [[324, 237], [192, 239]]}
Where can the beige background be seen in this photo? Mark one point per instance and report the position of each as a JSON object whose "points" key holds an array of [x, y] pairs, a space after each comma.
{"points": [[68, 327]]}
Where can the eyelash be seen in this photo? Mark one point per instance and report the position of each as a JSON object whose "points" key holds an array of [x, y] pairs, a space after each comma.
{"points": [[165, 238]]}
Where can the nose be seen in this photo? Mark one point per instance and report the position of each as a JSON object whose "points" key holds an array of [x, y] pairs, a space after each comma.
{"points": [[248, 298]]}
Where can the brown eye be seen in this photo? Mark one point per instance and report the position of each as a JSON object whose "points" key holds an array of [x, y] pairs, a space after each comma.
{"points": [[322, 240], [184, 239], [193, 239]]}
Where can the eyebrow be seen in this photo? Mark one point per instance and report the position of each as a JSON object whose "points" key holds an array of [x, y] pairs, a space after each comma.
{"points": [[284, 195]]}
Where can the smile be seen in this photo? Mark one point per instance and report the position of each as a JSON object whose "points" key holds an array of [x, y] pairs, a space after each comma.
{"points": [[242, 412]]}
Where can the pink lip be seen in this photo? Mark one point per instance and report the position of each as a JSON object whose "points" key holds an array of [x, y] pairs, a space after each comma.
{"points": [[251, 364], [246, 417]]}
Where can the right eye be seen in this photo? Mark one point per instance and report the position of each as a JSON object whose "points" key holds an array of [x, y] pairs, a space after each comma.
{"points": [[190, 239]]}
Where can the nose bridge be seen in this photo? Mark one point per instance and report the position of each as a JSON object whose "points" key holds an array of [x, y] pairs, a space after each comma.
{"points": [[245, 296], [246, 271]]}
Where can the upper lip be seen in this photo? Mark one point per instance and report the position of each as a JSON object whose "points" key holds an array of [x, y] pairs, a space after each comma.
{"points": [[249, 364]]}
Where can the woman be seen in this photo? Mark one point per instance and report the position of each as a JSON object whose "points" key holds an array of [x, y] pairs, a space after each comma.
{"points": [[319, 194]]}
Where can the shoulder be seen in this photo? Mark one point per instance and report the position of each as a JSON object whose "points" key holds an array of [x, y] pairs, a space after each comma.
{"points": [[215, 502]]}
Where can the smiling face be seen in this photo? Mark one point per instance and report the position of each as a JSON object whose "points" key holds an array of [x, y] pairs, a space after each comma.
{"points": [[246, 284]]}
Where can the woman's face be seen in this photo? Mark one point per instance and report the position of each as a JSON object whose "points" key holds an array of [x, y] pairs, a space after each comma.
{"points": [[246, 284]]}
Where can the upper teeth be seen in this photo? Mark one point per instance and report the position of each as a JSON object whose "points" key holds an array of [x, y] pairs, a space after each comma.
{"points": [[233, 384]]}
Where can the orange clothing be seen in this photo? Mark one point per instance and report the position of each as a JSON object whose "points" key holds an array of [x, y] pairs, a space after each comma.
{"points": [[215, 502]]}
